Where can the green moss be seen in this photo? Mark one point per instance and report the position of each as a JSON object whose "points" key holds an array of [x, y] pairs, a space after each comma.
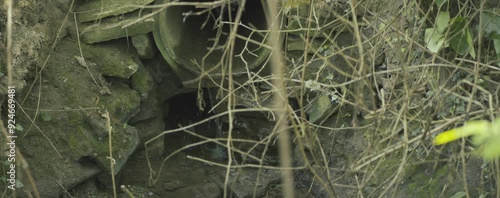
{"points": [[122, 104], [427, 185], [124, 143], [386, 168], [416, 180], [142, 81], [75, 144], [72, 140]]}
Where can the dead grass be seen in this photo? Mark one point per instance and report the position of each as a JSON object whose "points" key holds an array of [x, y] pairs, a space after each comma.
{"points": [[398, 107]]}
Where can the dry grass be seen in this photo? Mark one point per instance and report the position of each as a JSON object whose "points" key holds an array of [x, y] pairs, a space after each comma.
{"points": [[404, 106]]}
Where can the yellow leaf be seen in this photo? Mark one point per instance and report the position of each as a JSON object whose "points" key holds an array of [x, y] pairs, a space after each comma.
{"points": [[477, 127], [445, 137], [486, 137]]}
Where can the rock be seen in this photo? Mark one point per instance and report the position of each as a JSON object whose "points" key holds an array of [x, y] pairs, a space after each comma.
{"points": [[98, 124], [208, 190], [247, 183], [142, 81], [88, 188], [320, 108], [150, 107], [156, 148], [173, 185], [112, 58], [123, 146], [76, 153], [299, 191], [137, 191], [295, 43], [69, 173], [113, 28], [169, 87], [95, 9], [106, 180], [158, 68], [65, 150], [144, 45], [123, 104], [148, 129]]}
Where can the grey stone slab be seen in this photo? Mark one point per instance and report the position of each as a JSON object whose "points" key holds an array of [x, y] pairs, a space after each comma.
{"points": [[113, 28], [97, 9], [144, 45]]}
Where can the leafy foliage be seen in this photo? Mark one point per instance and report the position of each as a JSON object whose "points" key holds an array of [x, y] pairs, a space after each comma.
{"points": [[454, 33], [491, 26]]}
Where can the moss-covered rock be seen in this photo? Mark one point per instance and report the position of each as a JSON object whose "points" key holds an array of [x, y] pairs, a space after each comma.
{"points": [[144, 44], [170, 86], [122, 104], [142, 81], [321, 107], [67, 148], [150, 107], [148, 129], [112, 58]]}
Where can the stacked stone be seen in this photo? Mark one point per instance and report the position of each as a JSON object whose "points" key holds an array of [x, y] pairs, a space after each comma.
{"points": [[107, 20]]}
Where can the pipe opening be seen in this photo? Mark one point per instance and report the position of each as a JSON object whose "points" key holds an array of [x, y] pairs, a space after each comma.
{"points": [[195, 38]]}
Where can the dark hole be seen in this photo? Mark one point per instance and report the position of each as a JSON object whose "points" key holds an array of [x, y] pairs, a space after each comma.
{"points": [[87, 161]]}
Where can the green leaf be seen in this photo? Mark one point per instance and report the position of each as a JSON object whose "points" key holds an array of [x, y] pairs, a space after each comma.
{"points": [[461, 37], [381, 27], [45, 117], [434, 37], [483, 195], [442, 21], [496, 43], [440, 3], [472, 52], [490, 23], [434, 40], [459, 194]]}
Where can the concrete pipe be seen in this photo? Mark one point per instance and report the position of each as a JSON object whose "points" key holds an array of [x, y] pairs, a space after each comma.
{"points": [[186, 37]]}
